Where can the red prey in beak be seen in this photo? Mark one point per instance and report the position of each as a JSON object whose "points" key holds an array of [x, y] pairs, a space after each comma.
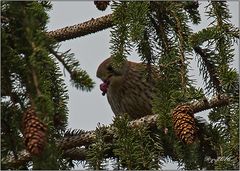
{"points": [[104, 86]]}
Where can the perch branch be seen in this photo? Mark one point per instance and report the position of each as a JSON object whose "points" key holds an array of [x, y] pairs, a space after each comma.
{"points": [[24, 157], [75, 153], [70, 144]]}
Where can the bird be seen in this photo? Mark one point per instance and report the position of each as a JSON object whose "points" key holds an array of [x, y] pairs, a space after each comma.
{"points": [[129, 91], [127, 88]]}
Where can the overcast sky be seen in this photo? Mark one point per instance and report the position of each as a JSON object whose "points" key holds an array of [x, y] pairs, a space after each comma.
{"points": [[86, 109]]}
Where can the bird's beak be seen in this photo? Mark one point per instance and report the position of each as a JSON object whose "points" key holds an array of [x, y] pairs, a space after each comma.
{"points": [[104, 87]]}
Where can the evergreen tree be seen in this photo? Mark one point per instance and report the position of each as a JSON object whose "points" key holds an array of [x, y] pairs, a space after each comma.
{"points": [[34, 97], [32, 85]]}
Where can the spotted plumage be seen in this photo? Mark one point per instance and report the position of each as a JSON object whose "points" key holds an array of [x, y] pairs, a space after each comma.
{"points": [[127, 88]]}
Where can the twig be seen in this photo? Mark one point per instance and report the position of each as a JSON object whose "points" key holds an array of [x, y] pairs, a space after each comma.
{"points": [[60, 58], [180, 35], [209, 66]]}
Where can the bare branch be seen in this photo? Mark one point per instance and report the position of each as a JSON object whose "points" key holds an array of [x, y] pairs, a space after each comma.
{"points": [[216, 101], [82, 29], [77, 140], [75, 154]]}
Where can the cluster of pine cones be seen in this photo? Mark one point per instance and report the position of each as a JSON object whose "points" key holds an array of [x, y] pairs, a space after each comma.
{"points": [[34, 132]]}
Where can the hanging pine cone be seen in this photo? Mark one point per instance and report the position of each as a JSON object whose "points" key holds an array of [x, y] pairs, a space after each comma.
{"points": [[101, 5], [184, 124], [34, 132]]}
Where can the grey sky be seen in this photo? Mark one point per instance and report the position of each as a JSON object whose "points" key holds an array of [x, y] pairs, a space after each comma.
{"points": [[86, 109]]}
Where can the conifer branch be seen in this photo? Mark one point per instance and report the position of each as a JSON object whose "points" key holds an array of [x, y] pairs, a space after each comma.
{"points": [[35, 81], [161, 30], [79, 77], [61, 59], [209, 67], [211, 33], [179, 31], [34, 74], [12, 163], [76, 140], [75, 154], [31, 70], [82, 29], [24, 157], [216, 101], [70, 143], [4, 19]]}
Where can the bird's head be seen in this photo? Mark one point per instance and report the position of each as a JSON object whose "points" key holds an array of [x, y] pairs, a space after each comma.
{"points": [[111, 76]]}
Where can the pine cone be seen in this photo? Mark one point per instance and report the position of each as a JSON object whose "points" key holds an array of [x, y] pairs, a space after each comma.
{"points": [[34, 132], [184, 124], [101, 5]]}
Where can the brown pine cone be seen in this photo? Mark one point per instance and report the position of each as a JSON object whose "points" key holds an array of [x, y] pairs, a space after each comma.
{"points": [[101, 5], [34, 132], [184, 124]]}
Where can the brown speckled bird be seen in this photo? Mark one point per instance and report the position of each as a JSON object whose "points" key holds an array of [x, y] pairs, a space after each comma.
{"points": [[127, 88], [129, 91]]}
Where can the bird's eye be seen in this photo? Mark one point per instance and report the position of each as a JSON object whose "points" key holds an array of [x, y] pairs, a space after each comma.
{"points": [[110, 68]]}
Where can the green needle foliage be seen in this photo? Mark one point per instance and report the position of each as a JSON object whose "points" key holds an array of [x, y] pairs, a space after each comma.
{"points": [[136, 148], [162, 34], [30, 76], [99, 151]]}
